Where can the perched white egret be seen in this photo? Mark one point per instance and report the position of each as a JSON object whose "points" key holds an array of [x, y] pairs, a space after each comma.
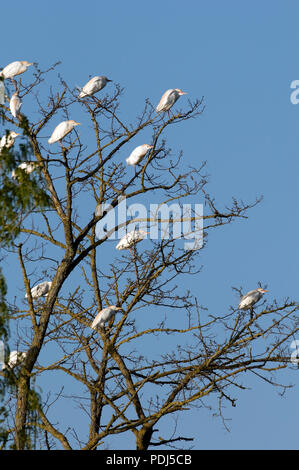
{"points": [[15, 68], [131, 239], [28, 167], [62, 130], [8, 140], [41, 290], [99, 210], [137, 155], [251, 298], [168, 99], [2, 92], [15, 358], [104, 316], [15, 104], [94, 85]]}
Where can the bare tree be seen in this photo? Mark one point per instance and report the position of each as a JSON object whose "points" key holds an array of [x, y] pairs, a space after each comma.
{"points": [[117, 387]]}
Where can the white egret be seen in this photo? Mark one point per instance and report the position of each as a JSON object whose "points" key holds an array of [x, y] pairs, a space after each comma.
{"points": [[137, 155], [15, 68], [62, 130], [94, 85], [15, 104], [168, 99], [28, 167], [41, 290], [131, 239], [15, 358], [251, 298], [2, 92], [104, 316], [99, 210], [8, 140]]}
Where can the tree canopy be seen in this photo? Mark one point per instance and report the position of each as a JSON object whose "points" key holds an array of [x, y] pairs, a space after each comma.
{"points": [[49, 226]]}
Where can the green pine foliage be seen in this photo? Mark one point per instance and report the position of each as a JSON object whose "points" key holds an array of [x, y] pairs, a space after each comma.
{"points": [[18, 197]]}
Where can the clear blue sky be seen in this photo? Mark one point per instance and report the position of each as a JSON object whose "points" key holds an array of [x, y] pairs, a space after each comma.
{"points": [[242, 56]]}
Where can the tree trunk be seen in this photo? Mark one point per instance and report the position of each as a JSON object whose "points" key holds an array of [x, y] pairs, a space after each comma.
{"points": [[20, 430], [143, 438]]}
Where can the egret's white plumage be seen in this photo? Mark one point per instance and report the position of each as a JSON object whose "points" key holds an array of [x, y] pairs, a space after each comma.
{"points": [[2, 92], [138, 153], [104, 316], [41, 290], [99, 210], [131, 239], [15, 68], [28, 167], [251, 298], [168, 99], [15, 358], [8, 140], [94, 85], [62, 130], [15, 104]]}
